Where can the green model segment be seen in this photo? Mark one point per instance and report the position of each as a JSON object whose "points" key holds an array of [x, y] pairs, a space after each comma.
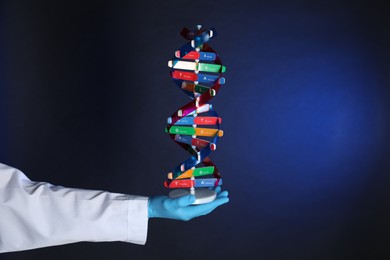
{"points": [[207, 67], [182, 130], [203, 171]]}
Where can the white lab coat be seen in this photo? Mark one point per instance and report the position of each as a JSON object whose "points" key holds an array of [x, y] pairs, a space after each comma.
{"points": [[38, 214]]}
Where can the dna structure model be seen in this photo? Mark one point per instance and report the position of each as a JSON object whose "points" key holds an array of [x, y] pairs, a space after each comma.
{"points": [[197, 71]]}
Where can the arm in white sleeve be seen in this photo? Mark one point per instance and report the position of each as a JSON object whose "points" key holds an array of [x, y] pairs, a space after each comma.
{"points": [[38, 214]]}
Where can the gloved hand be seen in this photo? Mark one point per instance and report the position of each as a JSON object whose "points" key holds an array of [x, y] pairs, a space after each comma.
{"points": [[181, 209]]}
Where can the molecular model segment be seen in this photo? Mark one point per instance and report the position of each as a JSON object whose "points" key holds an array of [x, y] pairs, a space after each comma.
{"points": [[197, 70]]}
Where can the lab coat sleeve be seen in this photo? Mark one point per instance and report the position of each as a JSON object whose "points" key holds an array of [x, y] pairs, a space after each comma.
{"points": [[38, 214]]}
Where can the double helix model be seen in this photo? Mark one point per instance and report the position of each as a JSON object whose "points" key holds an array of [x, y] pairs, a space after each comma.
{"points": [[197, 71]]}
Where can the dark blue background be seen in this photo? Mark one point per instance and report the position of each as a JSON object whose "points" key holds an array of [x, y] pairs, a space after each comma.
{"points": [[85, 94]]}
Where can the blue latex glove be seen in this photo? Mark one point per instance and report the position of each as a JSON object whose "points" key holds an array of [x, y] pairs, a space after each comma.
{"points": [[181, 209]]}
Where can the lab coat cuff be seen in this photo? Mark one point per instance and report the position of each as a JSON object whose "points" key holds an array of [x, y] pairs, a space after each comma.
{"points": [[137, 220]]}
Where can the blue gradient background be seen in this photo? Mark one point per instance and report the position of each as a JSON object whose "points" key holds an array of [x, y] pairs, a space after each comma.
{"points": [[85, 94]]}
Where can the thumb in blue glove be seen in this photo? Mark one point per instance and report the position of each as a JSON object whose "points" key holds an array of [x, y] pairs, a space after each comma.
{"points": [[181, 209]]}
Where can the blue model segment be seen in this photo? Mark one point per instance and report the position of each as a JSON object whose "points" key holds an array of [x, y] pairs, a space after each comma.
{"points": [[193, 160], [206, 78], [185, 121], [207, 56], [184, 166], [209, 182], [184, 139], [188, 164], [201, 39]]}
